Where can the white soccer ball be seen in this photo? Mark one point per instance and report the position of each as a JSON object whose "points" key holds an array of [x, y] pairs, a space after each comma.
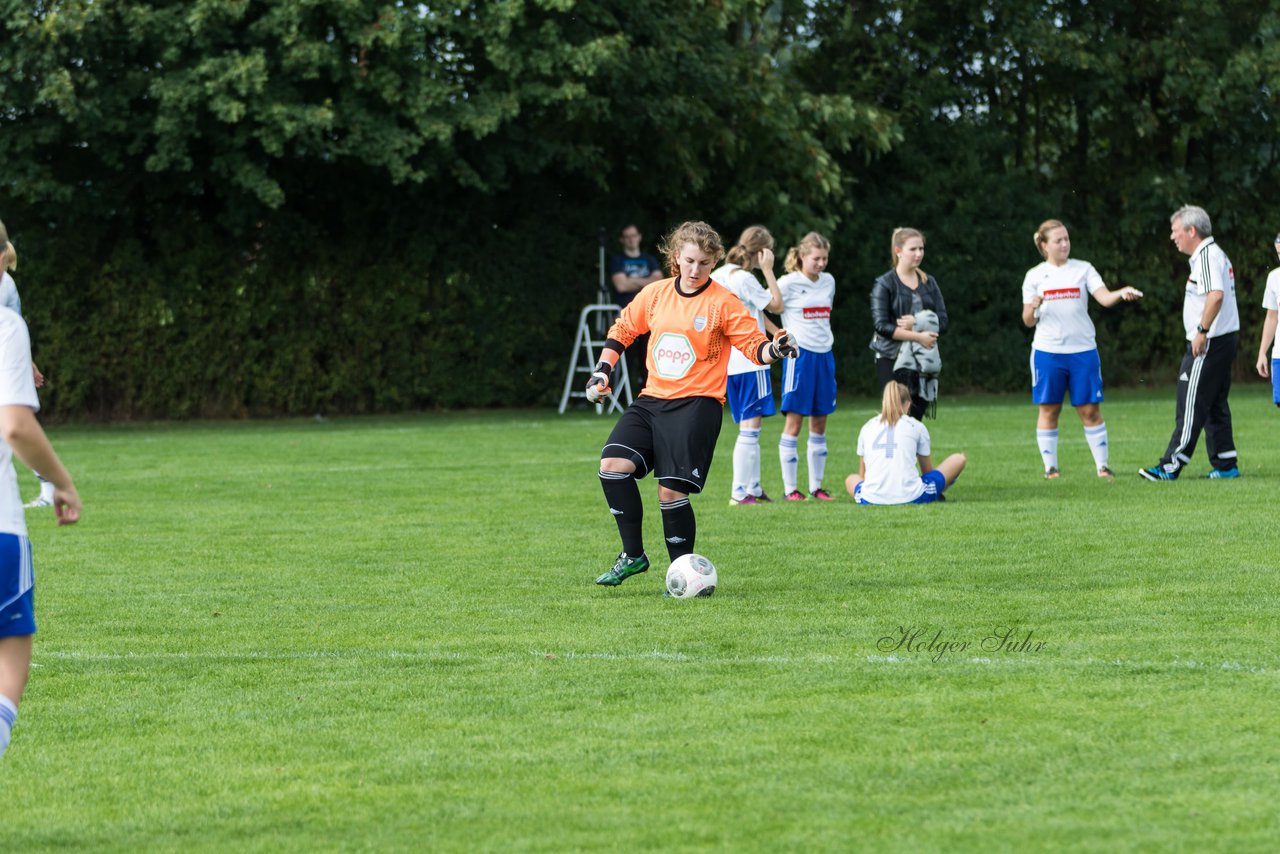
{"points": [[691, 575]]}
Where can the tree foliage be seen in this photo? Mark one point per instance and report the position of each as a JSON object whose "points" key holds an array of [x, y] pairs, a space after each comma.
{"points": [[232, 206]]}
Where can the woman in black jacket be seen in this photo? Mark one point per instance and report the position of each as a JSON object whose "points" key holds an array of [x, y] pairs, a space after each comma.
{"points": [[896, 297]]}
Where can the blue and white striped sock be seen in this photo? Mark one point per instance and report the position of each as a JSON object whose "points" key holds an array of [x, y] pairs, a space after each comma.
{"points": [[8, 714]]}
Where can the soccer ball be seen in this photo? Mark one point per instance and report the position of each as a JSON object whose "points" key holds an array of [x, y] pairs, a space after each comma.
{"points": [[691, 575]]}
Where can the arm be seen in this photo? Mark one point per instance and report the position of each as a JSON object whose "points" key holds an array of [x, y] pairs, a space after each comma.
{"points": [[1268, 336], [941, 308], [1107, 298], [21, 431], [926, 462], [775, 293], [1031, 311]]}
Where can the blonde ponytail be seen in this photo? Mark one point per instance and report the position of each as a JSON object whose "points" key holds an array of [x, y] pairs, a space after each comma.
{"points": [[895, 403]]}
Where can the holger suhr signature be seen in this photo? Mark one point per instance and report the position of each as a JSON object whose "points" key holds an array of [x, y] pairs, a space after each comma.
{"points": [[934, 643]]}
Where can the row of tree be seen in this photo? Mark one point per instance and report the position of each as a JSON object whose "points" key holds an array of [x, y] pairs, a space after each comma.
{"points": [[237, 207]]}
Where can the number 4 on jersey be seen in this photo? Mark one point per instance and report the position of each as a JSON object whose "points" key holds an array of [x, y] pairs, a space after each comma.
{"points": [[885, 442]]}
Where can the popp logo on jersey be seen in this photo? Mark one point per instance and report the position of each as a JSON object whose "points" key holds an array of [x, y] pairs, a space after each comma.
{"points": [[673, 355]]}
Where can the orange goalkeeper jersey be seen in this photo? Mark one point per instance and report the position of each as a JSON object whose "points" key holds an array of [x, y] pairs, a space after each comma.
{"points": [[690, 337]]}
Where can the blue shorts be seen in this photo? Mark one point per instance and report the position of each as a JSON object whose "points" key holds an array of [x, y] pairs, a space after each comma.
{"points": [[935, 483], [1053, 373], [1275, 381], [809, 383], [750, 396], [17, 587]]}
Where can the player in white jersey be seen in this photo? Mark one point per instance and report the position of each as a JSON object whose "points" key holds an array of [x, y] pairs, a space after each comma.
{"points": [[808, 382], [1064, 353], [750, 389], [1212, 324], [23, 436], [890, 446], [9, 298], [1271, 302]]}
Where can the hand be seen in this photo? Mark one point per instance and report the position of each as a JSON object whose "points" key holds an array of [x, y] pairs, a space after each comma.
{"points": [[1130, 294], [1199, 344], [907, 321], [927, 339], [37, 376], [597, 387], [66, 505], [1264, 366], [784, 345], [766, 259]]}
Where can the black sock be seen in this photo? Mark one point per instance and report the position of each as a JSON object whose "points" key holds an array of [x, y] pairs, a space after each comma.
{"points": [[623, 494], [678, 526]]}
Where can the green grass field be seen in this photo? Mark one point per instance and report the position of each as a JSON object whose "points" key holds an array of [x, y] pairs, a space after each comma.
{"points": [[383, 634]]}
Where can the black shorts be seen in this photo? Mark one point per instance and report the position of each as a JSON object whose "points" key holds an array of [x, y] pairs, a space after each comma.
{"points": [[674, 439]]}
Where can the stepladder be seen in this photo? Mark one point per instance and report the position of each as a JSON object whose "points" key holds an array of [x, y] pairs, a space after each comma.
{"points": [[588, 343]]}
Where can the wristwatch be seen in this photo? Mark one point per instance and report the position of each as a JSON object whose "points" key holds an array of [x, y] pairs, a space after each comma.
{"points": [[1201, 329]]}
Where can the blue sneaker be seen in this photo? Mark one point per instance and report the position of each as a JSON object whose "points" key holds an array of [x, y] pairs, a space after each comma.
{"points": [[1155, 474], [1223, 474]]}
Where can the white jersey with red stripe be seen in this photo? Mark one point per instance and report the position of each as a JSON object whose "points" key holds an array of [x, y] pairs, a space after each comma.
{"points": [[806, 309], [1211, 270], [1064, 325]]}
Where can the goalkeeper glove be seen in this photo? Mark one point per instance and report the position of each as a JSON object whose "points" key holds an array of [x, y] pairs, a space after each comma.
{"points": [[784, 345], [598, 385]]}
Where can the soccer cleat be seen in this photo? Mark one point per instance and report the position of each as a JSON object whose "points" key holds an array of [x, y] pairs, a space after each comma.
{"points": [[1155, 474], [624, 569], [750, 499], [795, 495], [1223, 474], [1052, 474], [1106, 473], [763, 498], [821, 494], [38, 501]]}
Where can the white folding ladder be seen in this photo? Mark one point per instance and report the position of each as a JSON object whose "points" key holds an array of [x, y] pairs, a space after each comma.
{"points": [[582, 363]]}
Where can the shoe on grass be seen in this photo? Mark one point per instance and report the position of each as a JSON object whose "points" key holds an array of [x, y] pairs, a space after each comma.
{"points": [[1155, 474], [795, 495], [1223, 474], [38, 501], [1052, 474], [763, 498], [821, 494], [624, 569], [1106, 473], [750, 499]]}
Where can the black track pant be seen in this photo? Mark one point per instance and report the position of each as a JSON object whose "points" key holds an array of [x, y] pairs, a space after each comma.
{"points": [[1203, 384]]}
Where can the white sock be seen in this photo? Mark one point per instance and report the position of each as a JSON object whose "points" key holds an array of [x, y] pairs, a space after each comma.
{"points": [[1048, 441], [1097, 439], [8, 714], [746, 463], [46, 489], [790, 458], [817, 455]]}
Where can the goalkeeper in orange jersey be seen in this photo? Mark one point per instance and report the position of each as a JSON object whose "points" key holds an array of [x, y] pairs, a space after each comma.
{"points": [[672, 427]]}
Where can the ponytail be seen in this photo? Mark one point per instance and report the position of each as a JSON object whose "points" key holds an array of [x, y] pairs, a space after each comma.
{"points": [[895, 403], [811, 242]]}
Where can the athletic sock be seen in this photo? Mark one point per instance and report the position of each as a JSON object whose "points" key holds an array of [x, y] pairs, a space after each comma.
{"points": [[623, 494], [1048, 441], [1097, 439], [790, 458], [678, 526], [816, 452], [746, 463], [8, 714]]}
